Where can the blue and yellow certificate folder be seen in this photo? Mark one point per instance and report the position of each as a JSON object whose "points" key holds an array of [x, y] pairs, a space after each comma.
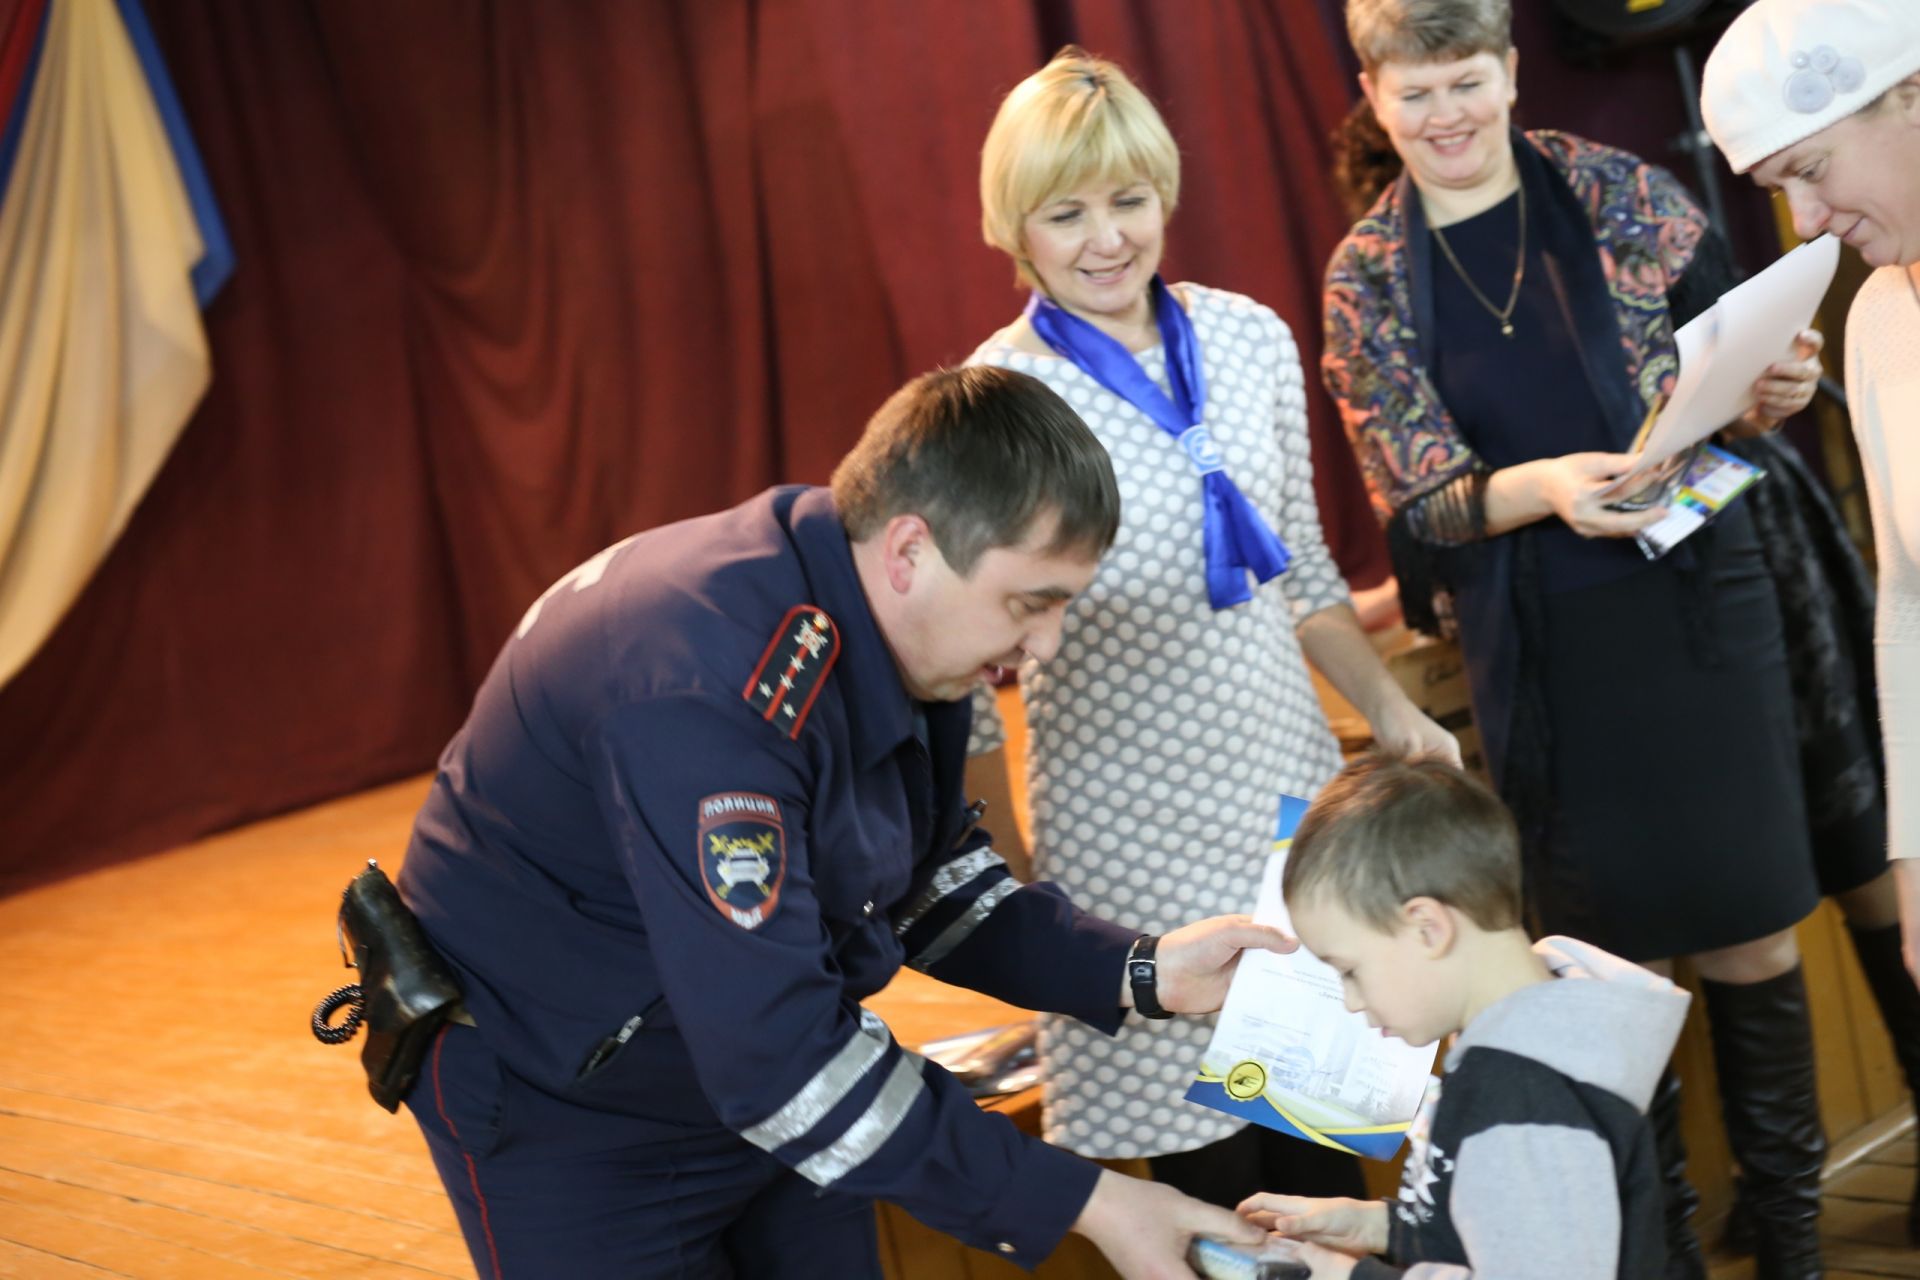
{"points": [[1287, 1054]]}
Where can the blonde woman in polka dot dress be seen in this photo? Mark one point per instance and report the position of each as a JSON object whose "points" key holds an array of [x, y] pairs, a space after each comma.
{"points": [[1179, 706]]}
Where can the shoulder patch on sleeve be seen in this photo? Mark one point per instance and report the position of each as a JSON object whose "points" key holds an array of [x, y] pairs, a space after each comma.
{"points": [[743, 855], [782, 688]]}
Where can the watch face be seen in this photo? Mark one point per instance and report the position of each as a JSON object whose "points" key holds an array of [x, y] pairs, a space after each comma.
{"points": [[1142, 970]]}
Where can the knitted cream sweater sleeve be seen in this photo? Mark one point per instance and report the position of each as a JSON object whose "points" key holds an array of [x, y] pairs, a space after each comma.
{"points": [[1883, 391]]}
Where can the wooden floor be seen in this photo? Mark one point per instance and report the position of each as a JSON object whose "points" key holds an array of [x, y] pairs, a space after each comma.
{"points": [[1864, 1215], [166, 1115], [164, 1112]]}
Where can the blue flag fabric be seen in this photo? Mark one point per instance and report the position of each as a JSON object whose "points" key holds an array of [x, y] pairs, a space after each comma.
{"points": [[216, 260]]}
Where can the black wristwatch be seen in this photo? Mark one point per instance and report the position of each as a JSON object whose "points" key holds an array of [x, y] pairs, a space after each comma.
{"points": [[1143, 975]]}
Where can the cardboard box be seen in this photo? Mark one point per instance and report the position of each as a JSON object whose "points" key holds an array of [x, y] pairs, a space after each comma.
{"points": [[1433, 674]]}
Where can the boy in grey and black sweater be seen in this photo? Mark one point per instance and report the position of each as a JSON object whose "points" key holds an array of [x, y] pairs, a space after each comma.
{"points": [[1533, 1156]]}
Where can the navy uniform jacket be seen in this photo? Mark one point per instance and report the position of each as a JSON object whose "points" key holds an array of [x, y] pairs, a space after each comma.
{"points": [[689, 825]]}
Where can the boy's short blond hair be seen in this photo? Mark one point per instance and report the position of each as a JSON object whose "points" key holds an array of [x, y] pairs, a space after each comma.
{"points": [[1075, 120], [1388, 829], [1417, 31]]}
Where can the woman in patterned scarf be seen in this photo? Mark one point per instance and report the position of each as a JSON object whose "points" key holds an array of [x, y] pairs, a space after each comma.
{"points": [[1498, 325]]}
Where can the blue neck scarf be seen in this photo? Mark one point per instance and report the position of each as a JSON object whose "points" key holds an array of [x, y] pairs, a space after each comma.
{"points": [[1236, 539]]}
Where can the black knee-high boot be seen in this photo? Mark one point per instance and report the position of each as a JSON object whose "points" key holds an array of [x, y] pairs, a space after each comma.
{"points": [[1899, 1001], [1684, 1260], [1763, 1052]]}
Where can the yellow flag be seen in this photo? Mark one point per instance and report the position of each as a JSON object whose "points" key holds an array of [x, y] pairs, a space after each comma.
{"points": [[102, 354]]}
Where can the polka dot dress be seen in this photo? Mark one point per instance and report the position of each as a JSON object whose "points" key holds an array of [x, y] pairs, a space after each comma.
{"points": [[1163, 731]]}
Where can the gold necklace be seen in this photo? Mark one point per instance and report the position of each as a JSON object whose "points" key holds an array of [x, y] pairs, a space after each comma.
{"points": [[1503, 314]]}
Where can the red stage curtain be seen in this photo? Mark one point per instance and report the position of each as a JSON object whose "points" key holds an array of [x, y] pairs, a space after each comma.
{"points": [[517, 278]]}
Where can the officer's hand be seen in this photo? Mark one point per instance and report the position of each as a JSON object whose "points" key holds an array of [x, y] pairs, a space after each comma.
{"points": [[1144, 1228], [1196, 961]]}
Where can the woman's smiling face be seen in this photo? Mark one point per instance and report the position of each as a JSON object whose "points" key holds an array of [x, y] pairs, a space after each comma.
{"points": [[1858, 178], [1448, 121], [1096, 248]]}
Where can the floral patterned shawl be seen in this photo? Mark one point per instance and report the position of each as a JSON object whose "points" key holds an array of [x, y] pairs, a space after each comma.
{"points": [[1645, 228]]}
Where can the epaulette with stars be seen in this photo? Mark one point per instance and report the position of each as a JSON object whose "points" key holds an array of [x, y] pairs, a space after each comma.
{"points": [[782, 688]]}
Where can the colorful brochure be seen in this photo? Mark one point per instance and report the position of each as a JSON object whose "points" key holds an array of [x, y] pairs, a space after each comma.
{"points": [[1288, 1055], [1711, 479]]}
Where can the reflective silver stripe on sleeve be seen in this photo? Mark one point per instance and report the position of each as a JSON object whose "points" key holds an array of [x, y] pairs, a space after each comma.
{"points": [[829, 1085], [956, 933], [960, 871], [864, 1136]]}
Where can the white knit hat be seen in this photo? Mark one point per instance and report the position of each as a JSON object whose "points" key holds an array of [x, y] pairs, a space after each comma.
{"points": [[1786, 69]]}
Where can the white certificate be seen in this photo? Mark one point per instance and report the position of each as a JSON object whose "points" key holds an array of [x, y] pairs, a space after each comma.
{"points": [[1288, 1055], [1725, 349]]}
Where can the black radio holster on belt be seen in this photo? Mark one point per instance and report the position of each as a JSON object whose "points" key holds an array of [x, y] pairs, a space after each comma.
{"points": [[406, 992]]}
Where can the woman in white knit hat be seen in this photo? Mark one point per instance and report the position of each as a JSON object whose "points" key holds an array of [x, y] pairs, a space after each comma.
{"points": [[1820, 101]]}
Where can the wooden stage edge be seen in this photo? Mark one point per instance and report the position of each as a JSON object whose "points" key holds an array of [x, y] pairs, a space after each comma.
{"points": [[165, 1113]]}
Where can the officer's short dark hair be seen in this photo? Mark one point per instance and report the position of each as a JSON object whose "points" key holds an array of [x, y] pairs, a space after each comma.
{"points": [[1389, 828], [980, 453]]}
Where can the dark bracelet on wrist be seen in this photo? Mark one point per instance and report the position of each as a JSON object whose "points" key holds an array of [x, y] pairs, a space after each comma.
{"points": [[1143, 978]]}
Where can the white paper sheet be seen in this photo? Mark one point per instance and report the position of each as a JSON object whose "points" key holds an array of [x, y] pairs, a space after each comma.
{"points": [[1724, 350], [1287, 1054]]}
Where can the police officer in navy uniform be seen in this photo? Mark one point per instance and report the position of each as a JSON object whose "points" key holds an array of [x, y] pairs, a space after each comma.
{"points": [[707, 801]]}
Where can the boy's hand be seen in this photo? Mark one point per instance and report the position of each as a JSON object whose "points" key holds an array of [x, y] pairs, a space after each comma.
{"points": [[1352, 1226]]}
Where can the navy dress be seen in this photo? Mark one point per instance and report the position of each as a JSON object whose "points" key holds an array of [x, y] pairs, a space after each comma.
{"points": [[1676, 819]]}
